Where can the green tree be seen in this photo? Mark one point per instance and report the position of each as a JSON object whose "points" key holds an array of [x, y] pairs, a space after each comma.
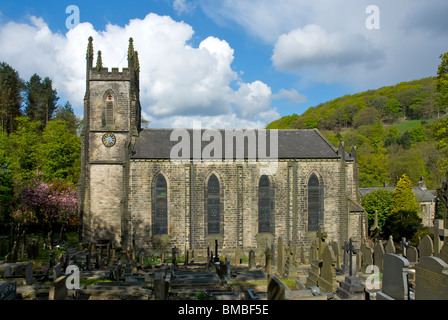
{"points": [[439, 131], [379, 200], [11, 87], [23, 146], [41, 99], [442, 82], [66, 113], [59, 153], [366, 116], [403, 220], [393, 109]]}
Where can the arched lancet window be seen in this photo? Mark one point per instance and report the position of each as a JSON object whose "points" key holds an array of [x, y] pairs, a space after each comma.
{"points": [[264, 205], [213, 205], [160, 206], [108, 114], [314, 203]]}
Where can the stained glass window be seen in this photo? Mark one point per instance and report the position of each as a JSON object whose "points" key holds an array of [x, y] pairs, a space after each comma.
{"points": [[314, 203], [264, 205], [160, 207], [213, 206]]}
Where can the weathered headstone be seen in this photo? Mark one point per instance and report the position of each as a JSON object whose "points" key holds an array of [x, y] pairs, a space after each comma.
{"points": [[237, 255], [336, 250], [444, 253], [27, 272], [431, 279], [251, 260], [378, 254], [276, 289], [439, 232], [426, 247], [412, 254], [351, 287], [280, 257], [395, 278], [160, 289], [390, 247], [327, 279], [58, 289], [268, 259], [367, 255]]}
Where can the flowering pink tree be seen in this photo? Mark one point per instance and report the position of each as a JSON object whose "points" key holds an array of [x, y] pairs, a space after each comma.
{"points": [[50, 202]]}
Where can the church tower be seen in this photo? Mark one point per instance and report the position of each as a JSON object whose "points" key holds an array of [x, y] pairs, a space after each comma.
{"points": [[112, 119]]}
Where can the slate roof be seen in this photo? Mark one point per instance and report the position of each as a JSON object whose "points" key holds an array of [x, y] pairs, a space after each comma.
{"points": [[292, 144], [421, 195]]}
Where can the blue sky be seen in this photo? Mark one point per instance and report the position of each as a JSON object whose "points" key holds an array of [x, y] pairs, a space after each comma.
{"points": [[229, 63]]}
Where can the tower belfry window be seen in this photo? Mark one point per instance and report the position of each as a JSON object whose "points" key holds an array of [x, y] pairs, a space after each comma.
{"points": [[110, 109]]}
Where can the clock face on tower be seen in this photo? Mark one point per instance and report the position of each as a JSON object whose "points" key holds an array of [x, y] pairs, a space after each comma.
{"points": [[109, 139]]}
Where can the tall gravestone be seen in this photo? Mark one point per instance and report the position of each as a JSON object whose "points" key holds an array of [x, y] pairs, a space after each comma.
{"points": [[431, 279], [251, 260], [367, 255], [426, 247], [395, 278], [378, 254], [390, 247], [281, 257], [327, 279], [440, 233]]}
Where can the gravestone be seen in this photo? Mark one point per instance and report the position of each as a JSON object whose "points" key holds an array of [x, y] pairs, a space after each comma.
{"points": [[56, 271], [58, 289], [237, 255], [375, 230], [216, 251], [315, 268], [378, 254], [335, 247], [412, 254], [327, 279], [251, 260], [367, 255], [276, 289], [28, 273], [351, 287], [160, 287], [439, 232], [444, 253], [426, 247], [281, 257], [268, 259], [395, 278], [174, 257], [431, 279], [390, 247]]}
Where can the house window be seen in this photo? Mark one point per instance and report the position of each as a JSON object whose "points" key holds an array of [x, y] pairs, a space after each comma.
{"points": [[213, 205], [314, 203], [160, 207], [264, 205]]}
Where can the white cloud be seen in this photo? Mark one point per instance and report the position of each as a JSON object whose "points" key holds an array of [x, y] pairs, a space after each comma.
{"points": [[176, 79], [406, 47], [292, 95], [183, 6], [313, 46]]}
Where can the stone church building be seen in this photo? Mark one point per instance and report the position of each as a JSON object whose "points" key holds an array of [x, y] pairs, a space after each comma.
{"points": [[132, 191]]}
